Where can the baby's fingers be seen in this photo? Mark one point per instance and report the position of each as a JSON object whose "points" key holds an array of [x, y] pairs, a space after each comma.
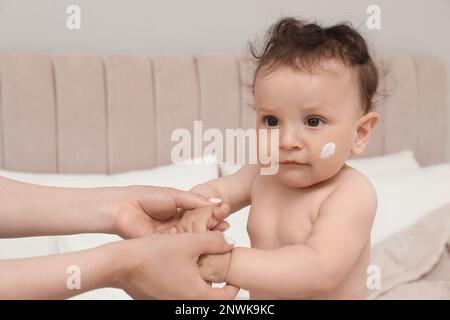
{"points": [[200, 224], [173, 230], [183, 225], [222, 226], [220, 213]]}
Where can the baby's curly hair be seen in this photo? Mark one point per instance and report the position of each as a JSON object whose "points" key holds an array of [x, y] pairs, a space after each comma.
{"points": [[300, 45]]}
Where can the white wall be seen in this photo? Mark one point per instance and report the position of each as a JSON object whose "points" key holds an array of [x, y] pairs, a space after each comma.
{"points": [[175, 26]]}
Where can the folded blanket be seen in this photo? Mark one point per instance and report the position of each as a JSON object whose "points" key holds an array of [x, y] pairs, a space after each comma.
{"points": [[415, 263]]}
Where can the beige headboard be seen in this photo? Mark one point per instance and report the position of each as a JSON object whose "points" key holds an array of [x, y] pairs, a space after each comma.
{"points": [[88, 113]]}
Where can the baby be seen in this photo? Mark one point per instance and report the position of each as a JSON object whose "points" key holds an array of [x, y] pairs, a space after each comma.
{"points": [[310, 223]]}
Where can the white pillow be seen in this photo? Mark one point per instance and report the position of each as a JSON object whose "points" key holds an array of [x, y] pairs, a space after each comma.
{"points": [[180, 175], [405, 197], [60, 180], [15, 248], [394, 162], [390, 163], [103, 294]]}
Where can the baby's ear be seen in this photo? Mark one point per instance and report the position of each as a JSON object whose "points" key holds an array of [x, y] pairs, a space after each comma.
{"points": [[365, 127]]}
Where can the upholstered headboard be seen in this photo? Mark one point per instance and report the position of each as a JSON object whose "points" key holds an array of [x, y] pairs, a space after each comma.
{"points": [[87, 113]]}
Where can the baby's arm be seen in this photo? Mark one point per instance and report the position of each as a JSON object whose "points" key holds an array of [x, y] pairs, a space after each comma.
{"points": [[234, 190], [337, 240]]}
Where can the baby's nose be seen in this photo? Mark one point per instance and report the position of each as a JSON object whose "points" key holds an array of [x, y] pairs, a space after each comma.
{"points": [[290, 139]]}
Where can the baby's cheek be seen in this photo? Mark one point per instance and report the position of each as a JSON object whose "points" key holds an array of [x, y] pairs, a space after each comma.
{"points": [[335, 147], [329, 158], [327, 151], [323, 151]]}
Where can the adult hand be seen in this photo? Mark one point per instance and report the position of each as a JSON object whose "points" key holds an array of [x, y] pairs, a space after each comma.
{"points": [[165, 266], [143, 210], [159, 266]]}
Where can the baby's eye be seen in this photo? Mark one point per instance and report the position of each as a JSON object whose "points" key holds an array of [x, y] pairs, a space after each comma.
{"points": [[313, 122], [271, 121]]}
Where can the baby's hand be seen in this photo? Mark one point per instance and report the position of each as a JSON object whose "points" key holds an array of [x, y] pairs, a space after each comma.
{"points": [[214, 267], [203, 219]]}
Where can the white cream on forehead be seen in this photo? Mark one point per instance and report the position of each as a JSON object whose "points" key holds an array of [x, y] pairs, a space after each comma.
{"points": [[328, 150]]}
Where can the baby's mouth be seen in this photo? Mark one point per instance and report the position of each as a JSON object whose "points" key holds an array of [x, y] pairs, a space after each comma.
{"points": [[292, 162]]}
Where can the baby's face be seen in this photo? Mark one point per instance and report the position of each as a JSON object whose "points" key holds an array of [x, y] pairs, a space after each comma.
{"points": [[317, 115]]}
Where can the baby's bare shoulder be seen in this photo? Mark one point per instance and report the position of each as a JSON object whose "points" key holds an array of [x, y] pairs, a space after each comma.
{"points": [[352, 191], [353, 179]]}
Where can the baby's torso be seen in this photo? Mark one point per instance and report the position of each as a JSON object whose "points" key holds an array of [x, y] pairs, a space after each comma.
{"points": [[282, 216], [279, 215]]}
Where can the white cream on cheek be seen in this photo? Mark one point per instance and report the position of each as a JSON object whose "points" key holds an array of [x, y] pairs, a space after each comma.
{"points": [[328, 150]]}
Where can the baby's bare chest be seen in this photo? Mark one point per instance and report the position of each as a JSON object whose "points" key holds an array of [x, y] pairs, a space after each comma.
{"points": [[281, 216]]}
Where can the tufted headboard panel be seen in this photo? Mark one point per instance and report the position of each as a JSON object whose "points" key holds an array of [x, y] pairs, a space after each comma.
{"points": [[91, 113]]}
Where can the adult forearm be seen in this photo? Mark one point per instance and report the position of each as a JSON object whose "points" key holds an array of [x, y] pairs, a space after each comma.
{"points": [[32, 210], [59, 276]]}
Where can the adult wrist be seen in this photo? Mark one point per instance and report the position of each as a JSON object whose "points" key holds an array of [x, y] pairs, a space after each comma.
{"points": [[107, 208], [121, 263]]}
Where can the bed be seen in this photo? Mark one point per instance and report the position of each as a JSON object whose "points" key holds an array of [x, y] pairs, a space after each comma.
{"points": [[84, 119]]}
